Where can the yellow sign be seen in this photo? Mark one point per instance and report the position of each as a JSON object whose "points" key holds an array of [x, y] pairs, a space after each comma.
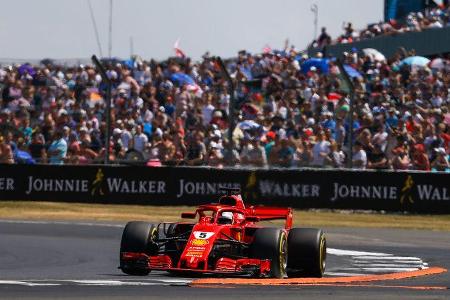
{"points": [[198, 242], [407, 191], [194, 254], [97, 184]]}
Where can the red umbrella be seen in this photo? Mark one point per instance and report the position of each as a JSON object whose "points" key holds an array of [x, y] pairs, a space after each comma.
{"points": [[334, 97]]}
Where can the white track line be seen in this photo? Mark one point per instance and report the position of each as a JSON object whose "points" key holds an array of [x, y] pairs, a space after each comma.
{"points": [[26, 283], [33, 283], [398, 258], [382, 270], [365, 265], [341, 274], [342, 252]]}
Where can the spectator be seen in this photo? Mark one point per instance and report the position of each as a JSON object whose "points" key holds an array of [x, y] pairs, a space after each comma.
{"points": [[37, 148], [256, 156], [401, 160], [324, 38], [420, 159], [126, 136], [230, 158], [195, 150], [380, 138], [284, 154], [359, 156], [58, 149], [167, 150], [6, 153], [440, 163], [118, 149], [140, 140], [305, 154], [321, 150], [336, 158], [377, 159], [215, 157]]}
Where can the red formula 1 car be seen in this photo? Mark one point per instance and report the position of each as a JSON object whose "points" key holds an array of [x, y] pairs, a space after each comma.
{"points": [[225, 239]]}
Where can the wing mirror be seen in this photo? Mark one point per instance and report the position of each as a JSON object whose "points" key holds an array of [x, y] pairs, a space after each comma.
{"points": [[188, 215]]}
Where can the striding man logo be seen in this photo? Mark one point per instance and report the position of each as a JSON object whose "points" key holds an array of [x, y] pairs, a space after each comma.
{"points": [[97, 184], [250, 187], [406, 192]]}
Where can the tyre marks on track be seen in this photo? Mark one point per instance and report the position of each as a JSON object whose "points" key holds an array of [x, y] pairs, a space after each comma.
{"points": [[108, 282], [372, 263]]}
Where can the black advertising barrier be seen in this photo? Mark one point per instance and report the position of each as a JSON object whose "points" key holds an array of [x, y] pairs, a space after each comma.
{"points": [[305, 188]]}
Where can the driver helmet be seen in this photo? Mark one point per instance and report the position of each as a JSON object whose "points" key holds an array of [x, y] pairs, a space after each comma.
{"points": [[227, 217]]}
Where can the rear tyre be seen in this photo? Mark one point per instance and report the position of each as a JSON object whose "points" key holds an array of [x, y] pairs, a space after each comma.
{"points": [[137, 237], [307, 248], [271, 243]]}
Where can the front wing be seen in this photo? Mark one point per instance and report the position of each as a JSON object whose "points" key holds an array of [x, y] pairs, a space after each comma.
{"points": [[224, 265]]}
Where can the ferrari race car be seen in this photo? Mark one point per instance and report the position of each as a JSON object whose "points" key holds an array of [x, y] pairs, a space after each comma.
{"points": [[225, 239]]}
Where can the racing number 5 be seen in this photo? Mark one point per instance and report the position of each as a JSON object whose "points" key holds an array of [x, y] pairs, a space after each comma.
{"points": [[202, 235]]}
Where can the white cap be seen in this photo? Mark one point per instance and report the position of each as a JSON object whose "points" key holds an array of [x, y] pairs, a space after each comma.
{"points": [[217, 133], [440, 150], [310, 122]]}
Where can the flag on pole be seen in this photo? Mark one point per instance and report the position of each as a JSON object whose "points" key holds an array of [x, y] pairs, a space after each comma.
{"points": [[267, 49], [178, 52]]}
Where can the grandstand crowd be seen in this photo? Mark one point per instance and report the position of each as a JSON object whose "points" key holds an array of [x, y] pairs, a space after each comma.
{"points": [[290, 113], [436, 17]]}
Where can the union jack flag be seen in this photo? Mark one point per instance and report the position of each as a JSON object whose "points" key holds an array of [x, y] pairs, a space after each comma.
{"points": [[178, 52]]}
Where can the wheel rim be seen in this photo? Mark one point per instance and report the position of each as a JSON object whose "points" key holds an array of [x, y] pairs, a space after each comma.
{"points": [[153, 234], [323, 254], [283, 254]]}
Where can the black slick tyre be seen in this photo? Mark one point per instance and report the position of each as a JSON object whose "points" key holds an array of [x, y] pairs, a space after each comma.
{"points": [[137, 237], [271, 243], [307, 248]]}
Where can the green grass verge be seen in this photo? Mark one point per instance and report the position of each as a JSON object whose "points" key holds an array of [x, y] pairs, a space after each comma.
{"points": [[30, 210]]}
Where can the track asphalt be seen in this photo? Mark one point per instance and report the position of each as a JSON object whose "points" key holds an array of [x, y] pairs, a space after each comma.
{"points": [[47, 260]]}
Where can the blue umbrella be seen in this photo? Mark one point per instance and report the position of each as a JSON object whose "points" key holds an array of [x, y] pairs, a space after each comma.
{"points": [[26, 68], [248, 125], [23, 157], [352, 72], [129, 63], [319, 63], [415, 61], [182, 79]]}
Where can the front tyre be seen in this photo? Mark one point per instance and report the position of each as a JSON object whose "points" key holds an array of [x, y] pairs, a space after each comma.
{"points": [[307, 248], [271, 243], [137, 237]]}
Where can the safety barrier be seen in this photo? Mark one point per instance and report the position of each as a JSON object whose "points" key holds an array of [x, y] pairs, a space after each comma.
{"points": [[304, 188]]}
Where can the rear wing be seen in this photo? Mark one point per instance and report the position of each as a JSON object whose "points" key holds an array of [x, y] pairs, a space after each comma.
{"points": [[263, 213]]}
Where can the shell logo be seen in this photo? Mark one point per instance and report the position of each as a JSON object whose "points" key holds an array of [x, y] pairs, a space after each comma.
{"points": [[199, 242]]}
